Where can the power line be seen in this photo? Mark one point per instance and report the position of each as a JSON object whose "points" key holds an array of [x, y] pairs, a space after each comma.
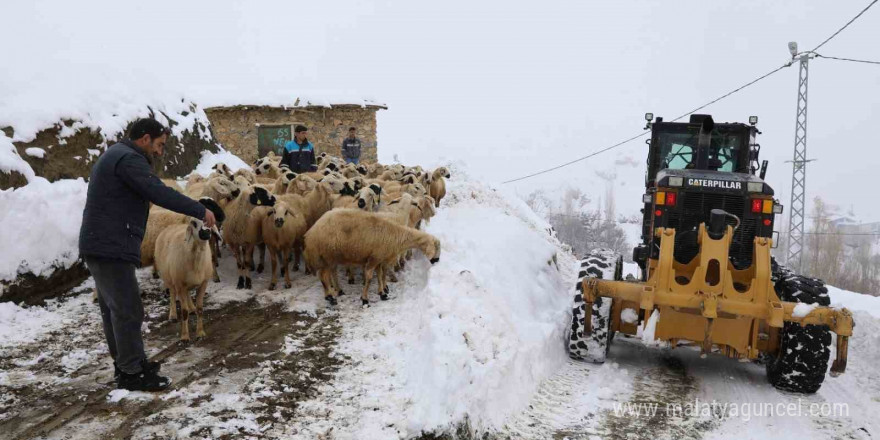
{"points": [[845, 26], [648, 131], [848, 59], [702, 106]]}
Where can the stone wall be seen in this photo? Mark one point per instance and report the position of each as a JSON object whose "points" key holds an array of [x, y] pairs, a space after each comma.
{"points": [[236, 127]]}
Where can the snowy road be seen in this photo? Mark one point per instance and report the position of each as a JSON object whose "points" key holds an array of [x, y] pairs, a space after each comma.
{"points": [[652, 393]]}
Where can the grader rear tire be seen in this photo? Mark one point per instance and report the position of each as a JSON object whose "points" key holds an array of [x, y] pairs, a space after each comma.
{"points": [[802, 360], [604, 264]]}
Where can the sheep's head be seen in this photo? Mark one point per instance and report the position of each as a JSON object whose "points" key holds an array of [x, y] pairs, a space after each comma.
{"points": [[430, 246], [286, 178], [263, 166], [247, 174], [362, 169], [416, 189], [209, 203], [302, 185], [442, 171], [223, 169], [196, 228], [261, 197], [279, 213], [225, 188], [368, 199], [358, 182], [426, 204]]}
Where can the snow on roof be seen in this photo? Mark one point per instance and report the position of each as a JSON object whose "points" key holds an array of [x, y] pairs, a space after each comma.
{"points": [[287, 99]]}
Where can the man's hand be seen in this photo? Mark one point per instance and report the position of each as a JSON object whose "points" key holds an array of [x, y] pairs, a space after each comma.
{"points": [[210, 221]]}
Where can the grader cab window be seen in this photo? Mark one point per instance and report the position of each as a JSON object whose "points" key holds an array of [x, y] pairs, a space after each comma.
{"points": [[678, 150]]}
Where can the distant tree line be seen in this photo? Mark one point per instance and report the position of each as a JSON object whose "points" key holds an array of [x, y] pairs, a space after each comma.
{"points": [[578, 224], [842, 254]]}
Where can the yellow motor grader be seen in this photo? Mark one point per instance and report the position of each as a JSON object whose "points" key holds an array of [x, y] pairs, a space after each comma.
{"points": [[707, 277]]}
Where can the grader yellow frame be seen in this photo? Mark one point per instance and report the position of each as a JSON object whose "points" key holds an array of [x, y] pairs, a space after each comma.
{"points": [[709, 302]]}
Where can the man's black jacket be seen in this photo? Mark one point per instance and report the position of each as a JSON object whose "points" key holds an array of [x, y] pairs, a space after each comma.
{"points": [[121, 185]]}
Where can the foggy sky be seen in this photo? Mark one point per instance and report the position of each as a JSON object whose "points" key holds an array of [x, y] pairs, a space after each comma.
{"points": [[507, 87]]}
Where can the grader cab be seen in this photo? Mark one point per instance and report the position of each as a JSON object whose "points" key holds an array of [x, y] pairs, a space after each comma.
{"points": [[707, 277]]}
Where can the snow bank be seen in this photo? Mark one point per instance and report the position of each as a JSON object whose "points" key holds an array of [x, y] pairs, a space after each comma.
{"points": [[855, 301], [40, 226], [489, 323], [106, 103], [210, 159], [11, 161]]}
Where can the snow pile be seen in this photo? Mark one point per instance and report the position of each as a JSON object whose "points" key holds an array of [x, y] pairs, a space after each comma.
{"points": [[11, 161], [209, 159], [854, 301], [106, 105], [40, 223], [467, 340], [488, 325]]}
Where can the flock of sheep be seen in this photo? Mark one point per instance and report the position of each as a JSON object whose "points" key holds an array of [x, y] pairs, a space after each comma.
{"points": [[365, 217]]}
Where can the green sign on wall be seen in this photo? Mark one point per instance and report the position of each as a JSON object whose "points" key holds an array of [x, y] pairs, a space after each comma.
{"points": [[272, 138]]}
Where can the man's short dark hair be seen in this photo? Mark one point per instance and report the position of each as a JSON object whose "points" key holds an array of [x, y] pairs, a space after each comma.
{"points": [[352, 129], [300, 129], [148, 126]]}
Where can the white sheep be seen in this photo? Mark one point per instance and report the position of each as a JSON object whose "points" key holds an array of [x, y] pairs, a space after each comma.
{"points": [[184, 260]]}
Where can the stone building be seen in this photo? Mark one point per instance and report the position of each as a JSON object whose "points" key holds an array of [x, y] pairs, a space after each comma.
{"points": [[251, 131]]}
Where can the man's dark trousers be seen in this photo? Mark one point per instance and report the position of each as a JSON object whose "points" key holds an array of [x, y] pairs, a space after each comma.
{"points": [[121, 309]]}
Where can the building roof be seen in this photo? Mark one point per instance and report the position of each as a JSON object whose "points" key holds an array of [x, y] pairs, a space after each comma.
{"points": [[292, 101]]}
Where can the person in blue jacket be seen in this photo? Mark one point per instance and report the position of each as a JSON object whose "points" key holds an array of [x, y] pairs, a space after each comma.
{"points": [[299, 154], [121, 186]]}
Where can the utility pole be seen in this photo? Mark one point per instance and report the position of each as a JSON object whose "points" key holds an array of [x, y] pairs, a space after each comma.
{"points": [[799, 165]]}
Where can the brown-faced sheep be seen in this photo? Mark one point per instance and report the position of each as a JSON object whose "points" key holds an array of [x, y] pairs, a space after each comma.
{"points": [[437, 190], [358, 238], [184, 260]]}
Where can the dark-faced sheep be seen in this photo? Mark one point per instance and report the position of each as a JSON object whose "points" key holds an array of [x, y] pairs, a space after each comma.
{"points": [[236, 227], [358, 238], [282, 227]]}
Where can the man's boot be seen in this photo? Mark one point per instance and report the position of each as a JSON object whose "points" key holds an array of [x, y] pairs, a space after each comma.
{"points": [[149, 366], [146, 380]]}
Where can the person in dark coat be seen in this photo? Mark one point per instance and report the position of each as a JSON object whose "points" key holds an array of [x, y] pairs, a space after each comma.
{"points": [[121, 186], [351, 147], [299, 154]]}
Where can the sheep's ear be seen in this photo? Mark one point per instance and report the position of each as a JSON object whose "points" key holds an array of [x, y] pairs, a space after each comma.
{"points": [[270, 213], [376, 189], [291, 176]]}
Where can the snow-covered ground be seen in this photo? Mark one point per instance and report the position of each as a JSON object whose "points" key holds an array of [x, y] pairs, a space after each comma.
{"points": [[472, 344]]}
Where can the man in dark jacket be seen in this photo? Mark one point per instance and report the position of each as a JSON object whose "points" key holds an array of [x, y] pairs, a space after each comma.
{"points": [[121, 186], [351, 147], [299, 154]]}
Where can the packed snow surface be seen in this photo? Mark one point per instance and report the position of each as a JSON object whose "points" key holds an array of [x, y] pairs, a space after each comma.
{"points": [[40, 223], [210, 159]]}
